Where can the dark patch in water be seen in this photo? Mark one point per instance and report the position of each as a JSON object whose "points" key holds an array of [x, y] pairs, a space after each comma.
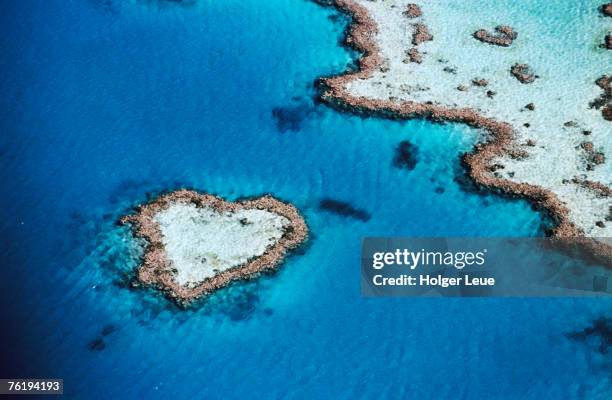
{"points": [[599, 332], [243, 307], [108, 329], [237, 302], [96, 345], [440, 190], [122, 283], [405, 156], [344, 209], [268, 311], [290, 118], [300, 251], [336, 18], [154, 306], [465, 181]]}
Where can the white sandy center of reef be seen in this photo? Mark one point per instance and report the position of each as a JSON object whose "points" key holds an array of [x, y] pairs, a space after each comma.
{"points": [[201, 242], [560, 42]]}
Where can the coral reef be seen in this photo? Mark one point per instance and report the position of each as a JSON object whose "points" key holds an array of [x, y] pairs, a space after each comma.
{"points": [[187, 265], [504, 36]]}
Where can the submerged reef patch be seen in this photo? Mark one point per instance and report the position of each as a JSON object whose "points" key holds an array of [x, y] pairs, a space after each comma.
{"points": [[290, 118], [413, 11], [197, 243], [504, 36], [243, 306], [600, 332], [344, 209], [592, 156], [108, 329], [421, 34], [413, 55], [523, 73], [405, 156], [604, 102], [96, 344]]}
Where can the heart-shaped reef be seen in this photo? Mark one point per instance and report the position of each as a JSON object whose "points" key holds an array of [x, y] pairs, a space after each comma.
{"points": [[198, 243]]}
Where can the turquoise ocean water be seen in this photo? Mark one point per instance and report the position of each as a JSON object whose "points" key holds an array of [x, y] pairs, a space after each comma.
{"points": [[105, 103]]}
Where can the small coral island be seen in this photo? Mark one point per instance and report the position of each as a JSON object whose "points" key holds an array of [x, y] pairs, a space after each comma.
{"points": [[197, 243]]}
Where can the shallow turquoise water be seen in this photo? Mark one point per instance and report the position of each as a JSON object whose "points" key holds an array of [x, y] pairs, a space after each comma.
{"points": [[107, 102]]}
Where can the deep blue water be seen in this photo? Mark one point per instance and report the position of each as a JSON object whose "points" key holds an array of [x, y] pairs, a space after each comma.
{"points": [[106, 102]]}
